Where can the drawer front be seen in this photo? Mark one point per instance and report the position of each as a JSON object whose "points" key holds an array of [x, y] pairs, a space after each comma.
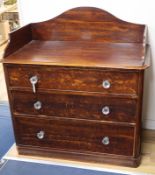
{"points": [[75, 135], [75, 106], [90, 80]]}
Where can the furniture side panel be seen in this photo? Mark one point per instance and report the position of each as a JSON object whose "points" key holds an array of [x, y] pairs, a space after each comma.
{"points": [[18, 39]]}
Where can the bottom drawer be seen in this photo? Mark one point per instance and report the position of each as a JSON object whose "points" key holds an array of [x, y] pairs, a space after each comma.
{"points": [[74, 135]]}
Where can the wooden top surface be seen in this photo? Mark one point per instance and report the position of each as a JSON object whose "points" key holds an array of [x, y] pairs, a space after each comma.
{"points": [[81, 37], [81, 54]]}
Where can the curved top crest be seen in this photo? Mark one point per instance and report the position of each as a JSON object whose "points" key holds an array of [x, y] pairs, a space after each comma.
{"points": [[88, 23], [79, 24]]}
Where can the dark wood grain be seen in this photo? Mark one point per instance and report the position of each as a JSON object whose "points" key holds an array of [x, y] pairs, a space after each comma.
{"points": [[18, 39], [75, 106], [82, 54], [75, 135], [72, 55], [88, 24], [61, 78], [85, 14], [78, 156], [137, 145]]}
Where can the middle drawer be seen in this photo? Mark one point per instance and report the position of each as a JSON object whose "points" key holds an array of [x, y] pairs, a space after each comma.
{"points": [[75, 106]]}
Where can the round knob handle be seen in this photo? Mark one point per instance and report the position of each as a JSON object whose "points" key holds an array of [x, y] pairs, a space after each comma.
{"points": [[106, 84], [105, 110], [40, 135], [37, 105], [105, 140], [34, 79]]}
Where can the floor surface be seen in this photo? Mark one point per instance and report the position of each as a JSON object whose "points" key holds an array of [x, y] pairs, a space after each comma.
{"points": [[13, 167], [6, 131]]}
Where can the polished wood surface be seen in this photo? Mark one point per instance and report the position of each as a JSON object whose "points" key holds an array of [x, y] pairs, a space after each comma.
{"points": [[75, 135], [15, 42], [86, 157], [71, 79], [67, 40], [88, 24], [75, 106], [72, 55], [81, 54], [146, 166]]}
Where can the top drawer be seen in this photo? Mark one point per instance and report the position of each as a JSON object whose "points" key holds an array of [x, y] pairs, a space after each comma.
{"points": [[76, 79]]}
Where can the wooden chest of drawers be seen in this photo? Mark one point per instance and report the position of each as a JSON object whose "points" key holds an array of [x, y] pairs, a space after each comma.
{"points": [[75, 86]]}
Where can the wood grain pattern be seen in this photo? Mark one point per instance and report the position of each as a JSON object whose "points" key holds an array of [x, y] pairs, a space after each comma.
{"points": [[137, 145], [82, 54], [88, 24], [17, 42], [61, 78], [72, 55], [75, 135], [146, 166], [97, 158], [75, 106], [75, 38]]}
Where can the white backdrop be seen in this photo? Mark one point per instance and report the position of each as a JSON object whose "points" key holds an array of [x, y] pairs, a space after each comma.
{"points": [[137, 11]]}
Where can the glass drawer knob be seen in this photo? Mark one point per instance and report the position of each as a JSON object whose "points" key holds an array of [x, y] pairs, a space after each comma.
{"points": [[40, 135], [33, 81], [37, 105], [105, 140], [106, 84], [105, 110]]}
